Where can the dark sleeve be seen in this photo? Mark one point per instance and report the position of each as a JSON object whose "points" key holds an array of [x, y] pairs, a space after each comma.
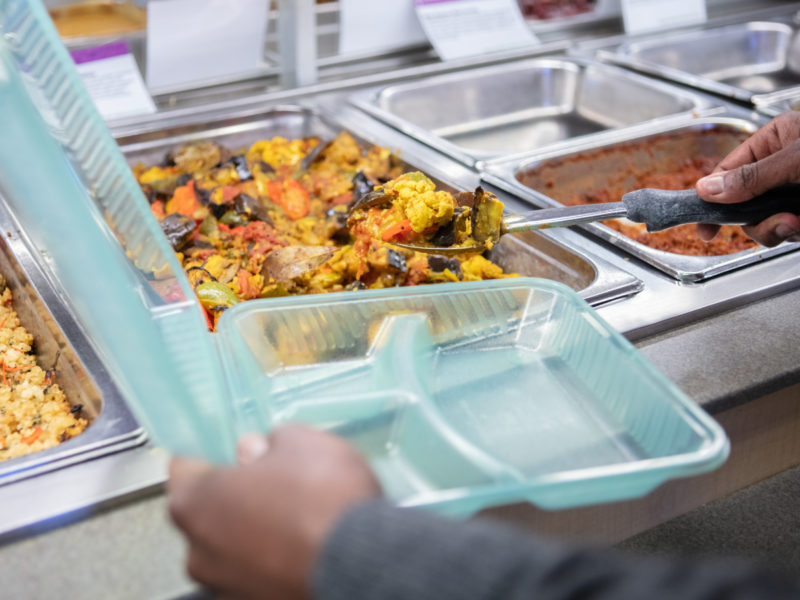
{"points": [[379, 552]]}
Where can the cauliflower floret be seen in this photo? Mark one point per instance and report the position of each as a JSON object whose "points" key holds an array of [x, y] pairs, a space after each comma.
{"points": [[477, 268], [278, 151], [417, 198]]}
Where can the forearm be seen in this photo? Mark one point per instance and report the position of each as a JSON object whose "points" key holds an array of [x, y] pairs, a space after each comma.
{"points": [[383, 553]]}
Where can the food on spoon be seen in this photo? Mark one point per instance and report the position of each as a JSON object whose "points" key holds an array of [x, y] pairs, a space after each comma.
{"points": [[305, 216], [409, 210]]}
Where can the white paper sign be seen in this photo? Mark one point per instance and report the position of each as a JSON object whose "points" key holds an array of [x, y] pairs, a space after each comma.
{"points": [[112, 79], [641, 16], [370, 26], [194, 42], [459, 28]]}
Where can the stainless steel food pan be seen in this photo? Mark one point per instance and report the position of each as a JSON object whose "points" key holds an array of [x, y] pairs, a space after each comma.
{"points": [[508, 109], [549, 180], [61, 345], [528, 254], [739, 61]]}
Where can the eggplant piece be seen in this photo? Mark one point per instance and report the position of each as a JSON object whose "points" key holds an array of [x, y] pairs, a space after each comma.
{"points": [[150, 194], [361, 186], [203, 195], [456, 231], [310, 158], [219, 210], [396, 260], [355, 286], [337, 218], [198, 275], [239, 163], [265, 167], [384, 257], [168, 160], [372, 199], [199, 244], [178, 229], [250, 207], [438, 263], [487, 217]]}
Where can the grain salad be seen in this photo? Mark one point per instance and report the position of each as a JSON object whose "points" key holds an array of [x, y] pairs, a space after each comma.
{"points": [[34, 413]]}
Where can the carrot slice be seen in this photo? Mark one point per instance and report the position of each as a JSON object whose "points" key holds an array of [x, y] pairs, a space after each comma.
{"points": [[29, 439]]}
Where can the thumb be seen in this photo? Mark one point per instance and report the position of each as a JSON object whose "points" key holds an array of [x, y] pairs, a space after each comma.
{"points": [[752, 179]]}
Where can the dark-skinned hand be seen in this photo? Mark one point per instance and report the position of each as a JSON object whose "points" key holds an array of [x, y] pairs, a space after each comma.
{"points": [[255, 530], [766, 160]]}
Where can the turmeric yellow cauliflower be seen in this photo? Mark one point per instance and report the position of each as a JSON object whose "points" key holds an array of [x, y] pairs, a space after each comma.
{"points": [[416, 197], [279, 151]]}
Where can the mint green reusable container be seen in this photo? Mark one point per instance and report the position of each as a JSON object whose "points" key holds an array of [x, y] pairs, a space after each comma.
{"points": [[461, 396]]}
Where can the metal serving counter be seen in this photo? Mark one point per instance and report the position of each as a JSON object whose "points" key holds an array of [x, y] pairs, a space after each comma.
{"points": [[632, 296], [724, 303]]}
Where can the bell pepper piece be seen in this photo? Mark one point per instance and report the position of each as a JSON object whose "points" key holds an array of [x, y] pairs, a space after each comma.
{"points": [[184, 201], [397, 231], [214, 293], [296, 201], [275, 191]]}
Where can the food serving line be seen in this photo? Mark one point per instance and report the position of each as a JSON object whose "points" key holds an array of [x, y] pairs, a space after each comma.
{"points": [[720, 328]]}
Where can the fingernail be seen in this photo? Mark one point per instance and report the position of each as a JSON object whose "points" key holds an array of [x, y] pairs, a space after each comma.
{"points": [[784, 231], [251, 448], [713, 184]]}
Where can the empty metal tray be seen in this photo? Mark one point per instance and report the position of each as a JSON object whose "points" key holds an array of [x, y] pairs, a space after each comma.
{"points": [[61, 344], [508, 109], [549, 179], [529, 253], [739, 61]]}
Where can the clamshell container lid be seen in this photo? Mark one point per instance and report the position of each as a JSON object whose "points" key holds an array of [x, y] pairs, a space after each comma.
{"points": [[77, 201], [469, 395]]}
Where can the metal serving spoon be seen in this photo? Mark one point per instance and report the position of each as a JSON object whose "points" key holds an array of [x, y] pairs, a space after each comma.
{"points": [[658, 209]]}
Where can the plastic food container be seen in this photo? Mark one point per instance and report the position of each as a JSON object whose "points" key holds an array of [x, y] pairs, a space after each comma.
{"points": [[470, 395]]}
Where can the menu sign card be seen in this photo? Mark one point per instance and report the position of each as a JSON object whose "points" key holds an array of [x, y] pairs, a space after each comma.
{"points": [[641, 16], [196, 43], [369, 26], [459, 28], [113, 81]]}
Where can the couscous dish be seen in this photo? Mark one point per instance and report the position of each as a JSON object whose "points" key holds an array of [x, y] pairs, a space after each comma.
{"points": [[34, 413]]}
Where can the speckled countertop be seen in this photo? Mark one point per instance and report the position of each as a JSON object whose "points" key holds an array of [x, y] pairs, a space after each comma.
{"points": [[130, 550]]}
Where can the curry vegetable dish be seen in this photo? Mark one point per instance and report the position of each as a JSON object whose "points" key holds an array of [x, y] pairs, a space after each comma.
{"points": [[304, 217], [34, 414]]}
